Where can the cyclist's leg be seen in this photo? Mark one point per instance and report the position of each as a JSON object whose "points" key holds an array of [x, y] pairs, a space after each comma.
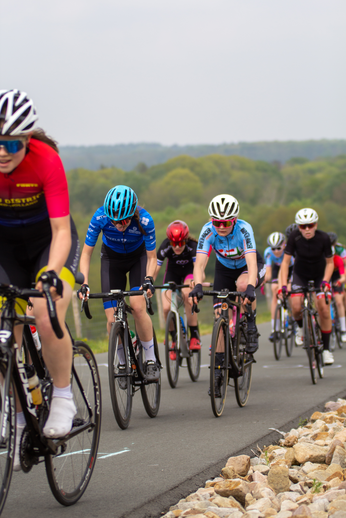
{"points": [[274, 290], [338, 293], [325, 322], [113, 276], [192, 319]]}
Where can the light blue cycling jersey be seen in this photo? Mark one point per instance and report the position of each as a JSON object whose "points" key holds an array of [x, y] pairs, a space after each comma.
{"points": [[122, 242], [272, 260], [267, 252], [230, 250]]}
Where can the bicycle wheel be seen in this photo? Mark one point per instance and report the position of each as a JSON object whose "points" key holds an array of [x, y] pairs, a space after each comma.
{"points": [[319, 350], [171, 352], [242, 383], [309, 346], [337, 329], [7, 450], [333, 338], [151, 392], [194, 364], [119, 376], [70, 470], [219, 361], [278, 338]]}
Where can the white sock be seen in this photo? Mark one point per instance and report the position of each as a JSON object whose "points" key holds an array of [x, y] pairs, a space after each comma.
{"points": [[343, 324], [149, 350], [20, 419], [272, 324], [62, 392]]}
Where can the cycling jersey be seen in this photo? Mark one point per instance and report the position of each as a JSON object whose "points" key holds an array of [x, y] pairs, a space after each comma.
{"points": [[230, 250], [35, 189], [122, 242], [339, 268], [340, 250], [266, 253], [188, 255], [310, 254], [272, 260]]}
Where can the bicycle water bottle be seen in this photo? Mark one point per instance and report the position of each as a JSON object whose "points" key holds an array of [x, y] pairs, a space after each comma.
{"points": [[36, 338], [183, 325], [34, 384], [332, 312]]}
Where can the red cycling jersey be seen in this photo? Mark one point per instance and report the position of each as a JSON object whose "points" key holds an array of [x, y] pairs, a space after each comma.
{"points": [[36, 189], [339, 265]]}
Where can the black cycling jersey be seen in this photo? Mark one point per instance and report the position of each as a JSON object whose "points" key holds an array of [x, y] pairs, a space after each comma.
{"points": [[178, 265], [310, 254]]}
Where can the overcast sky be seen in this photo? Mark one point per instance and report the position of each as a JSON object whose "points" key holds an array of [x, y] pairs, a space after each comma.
{"points": [[179, 71]]}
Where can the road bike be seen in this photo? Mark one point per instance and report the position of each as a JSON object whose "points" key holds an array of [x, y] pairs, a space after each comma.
{"points": [[229, 359], [69, 460], [284, 329], [336, 327], [177, 341], [312, 334], [126, 362]]}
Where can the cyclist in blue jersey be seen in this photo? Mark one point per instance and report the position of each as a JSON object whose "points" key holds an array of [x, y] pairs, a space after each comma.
{"points": [[238, 266], [129, 246]]}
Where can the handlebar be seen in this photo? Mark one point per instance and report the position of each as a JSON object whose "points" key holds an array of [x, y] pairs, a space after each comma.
{"points": [[115, 295]]}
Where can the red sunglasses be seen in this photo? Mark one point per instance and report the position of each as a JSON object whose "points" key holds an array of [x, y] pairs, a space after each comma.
{"points": [[222, 222], [307, 225], [177, 243], [122, 221]]}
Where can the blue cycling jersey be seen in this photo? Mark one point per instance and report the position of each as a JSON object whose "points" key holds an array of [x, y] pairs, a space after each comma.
{"points": [[230, 250], [122, 242], [272, 260]]}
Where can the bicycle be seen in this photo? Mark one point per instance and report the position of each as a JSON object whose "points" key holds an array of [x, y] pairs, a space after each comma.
{"points": [[336, 327], [284, 329], [229, 359], [69, 460], [176, 339], [126, 373], [312, 333]]}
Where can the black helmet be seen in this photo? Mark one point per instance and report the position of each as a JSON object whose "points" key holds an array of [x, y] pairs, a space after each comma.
{"points": [[290, 229], [333, 237]]}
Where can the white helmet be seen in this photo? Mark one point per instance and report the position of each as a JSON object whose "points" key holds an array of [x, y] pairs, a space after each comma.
{"points": [[304, 216], [17, 113], [276, 239], [223, 206]]}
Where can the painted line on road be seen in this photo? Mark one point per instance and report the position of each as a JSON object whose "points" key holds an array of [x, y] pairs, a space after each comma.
{"points": [[279, 366], [106, 455]]}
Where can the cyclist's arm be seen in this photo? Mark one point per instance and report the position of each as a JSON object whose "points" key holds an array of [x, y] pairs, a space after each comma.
{"points": [[60, 244], [199, 267], [328, 271], [251, 262], [151, 263], [85, 261], [283, 272], [158, 268], [268, 274]]}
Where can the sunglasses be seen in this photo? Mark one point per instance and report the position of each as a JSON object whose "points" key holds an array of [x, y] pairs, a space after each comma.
{"points": [[122, 221], [276, 248], [12, 146], [174, 244], [222, 222], [308, 225]]}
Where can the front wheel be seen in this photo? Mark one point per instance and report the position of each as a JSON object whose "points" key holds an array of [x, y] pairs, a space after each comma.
{"points": [[194, 364], [278, 336], [290, 330], [70, 470], [171, 352], [219, 361], [119, 376], [309, 346], [151, 392], [242, 382], [7, 405]]}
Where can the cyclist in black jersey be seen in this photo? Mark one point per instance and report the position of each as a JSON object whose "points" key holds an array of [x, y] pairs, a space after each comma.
{"points": [[313, 261], [179, 248]]}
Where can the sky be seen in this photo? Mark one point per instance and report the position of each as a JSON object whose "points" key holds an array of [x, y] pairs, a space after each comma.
{"points": [[179, 71]]}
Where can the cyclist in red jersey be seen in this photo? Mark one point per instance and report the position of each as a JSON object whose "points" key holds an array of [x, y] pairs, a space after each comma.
{"points": [[338, 280], [37, 235]]}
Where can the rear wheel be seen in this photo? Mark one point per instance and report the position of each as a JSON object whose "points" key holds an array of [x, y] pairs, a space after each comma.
{"points": [[70, 470], [219, 367], [194, 364], [119, 376], [309, 346], [278, 337], [7, 404], [151, 392], [242, 383], [171, 353], [290, 330], [319, 350]]}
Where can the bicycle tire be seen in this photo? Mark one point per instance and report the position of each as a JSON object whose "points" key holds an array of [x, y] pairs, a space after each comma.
{"points": [[7, 453], [309, 346], [319, 351], [194, 364], [242, 383], [151, 392], [290, 335], [337, 328], [333, 338], [277, 342], [220, 366], [172, 366], [121, 391], [69, 472]]}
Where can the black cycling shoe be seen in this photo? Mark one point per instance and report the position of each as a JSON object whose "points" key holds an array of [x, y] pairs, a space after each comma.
{"points": [[252, 341], [152, 370], [122, 380], [217, 383], [272, 336]]}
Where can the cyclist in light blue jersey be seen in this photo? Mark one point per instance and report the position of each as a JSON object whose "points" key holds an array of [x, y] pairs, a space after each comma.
{"points": [[239, 267], [129, 247]]}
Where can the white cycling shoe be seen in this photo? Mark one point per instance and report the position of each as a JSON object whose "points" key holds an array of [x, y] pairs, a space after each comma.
{"points": [[343, 337], [60, 419], [328, 358], [299, 339]]}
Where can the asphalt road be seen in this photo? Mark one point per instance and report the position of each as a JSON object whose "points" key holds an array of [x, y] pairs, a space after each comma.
{"points": [[143, 470]]}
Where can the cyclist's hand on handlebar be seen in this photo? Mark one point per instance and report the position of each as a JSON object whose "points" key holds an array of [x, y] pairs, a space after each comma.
{"points": [[325, 286], [148, 286], [250, 294], [197, 293], [192, 284], [50, 280], [83, 292], [282, 292]]}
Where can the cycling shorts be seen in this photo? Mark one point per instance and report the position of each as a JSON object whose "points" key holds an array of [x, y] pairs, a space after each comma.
{"points": [[24, 254], [178, 275], [338, 289], [275, 273], [115, 267], [225, 278], [299, 282]]}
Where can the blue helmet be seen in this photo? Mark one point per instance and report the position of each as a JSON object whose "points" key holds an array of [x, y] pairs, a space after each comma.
{"points": [[120, 203]]}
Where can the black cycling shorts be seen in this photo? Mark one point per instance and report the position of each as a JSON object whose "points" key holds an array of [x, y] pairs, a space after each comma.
{"points": [[275, 273], [225, 278], [178, 275], [302, 282], [24, 253], [115, 267]]}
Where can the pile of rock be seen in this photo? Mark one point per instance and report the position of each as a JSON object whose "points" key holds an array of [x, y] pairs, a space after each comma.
{"points": [[303, 476]]}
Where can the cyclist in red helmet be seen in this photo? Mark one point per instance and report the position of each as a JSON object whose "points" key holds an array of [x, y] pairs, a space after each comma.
{"points": [[179, 248]]}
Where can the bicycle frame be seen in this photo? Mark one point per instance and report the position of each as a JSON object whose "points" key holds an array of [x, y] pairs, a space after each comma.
{"points": [[182, 341]]}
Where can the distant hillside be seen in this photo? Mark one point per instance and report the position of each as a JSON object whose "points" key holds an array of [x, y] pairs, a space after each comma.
{"points": [[139, 156]]}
